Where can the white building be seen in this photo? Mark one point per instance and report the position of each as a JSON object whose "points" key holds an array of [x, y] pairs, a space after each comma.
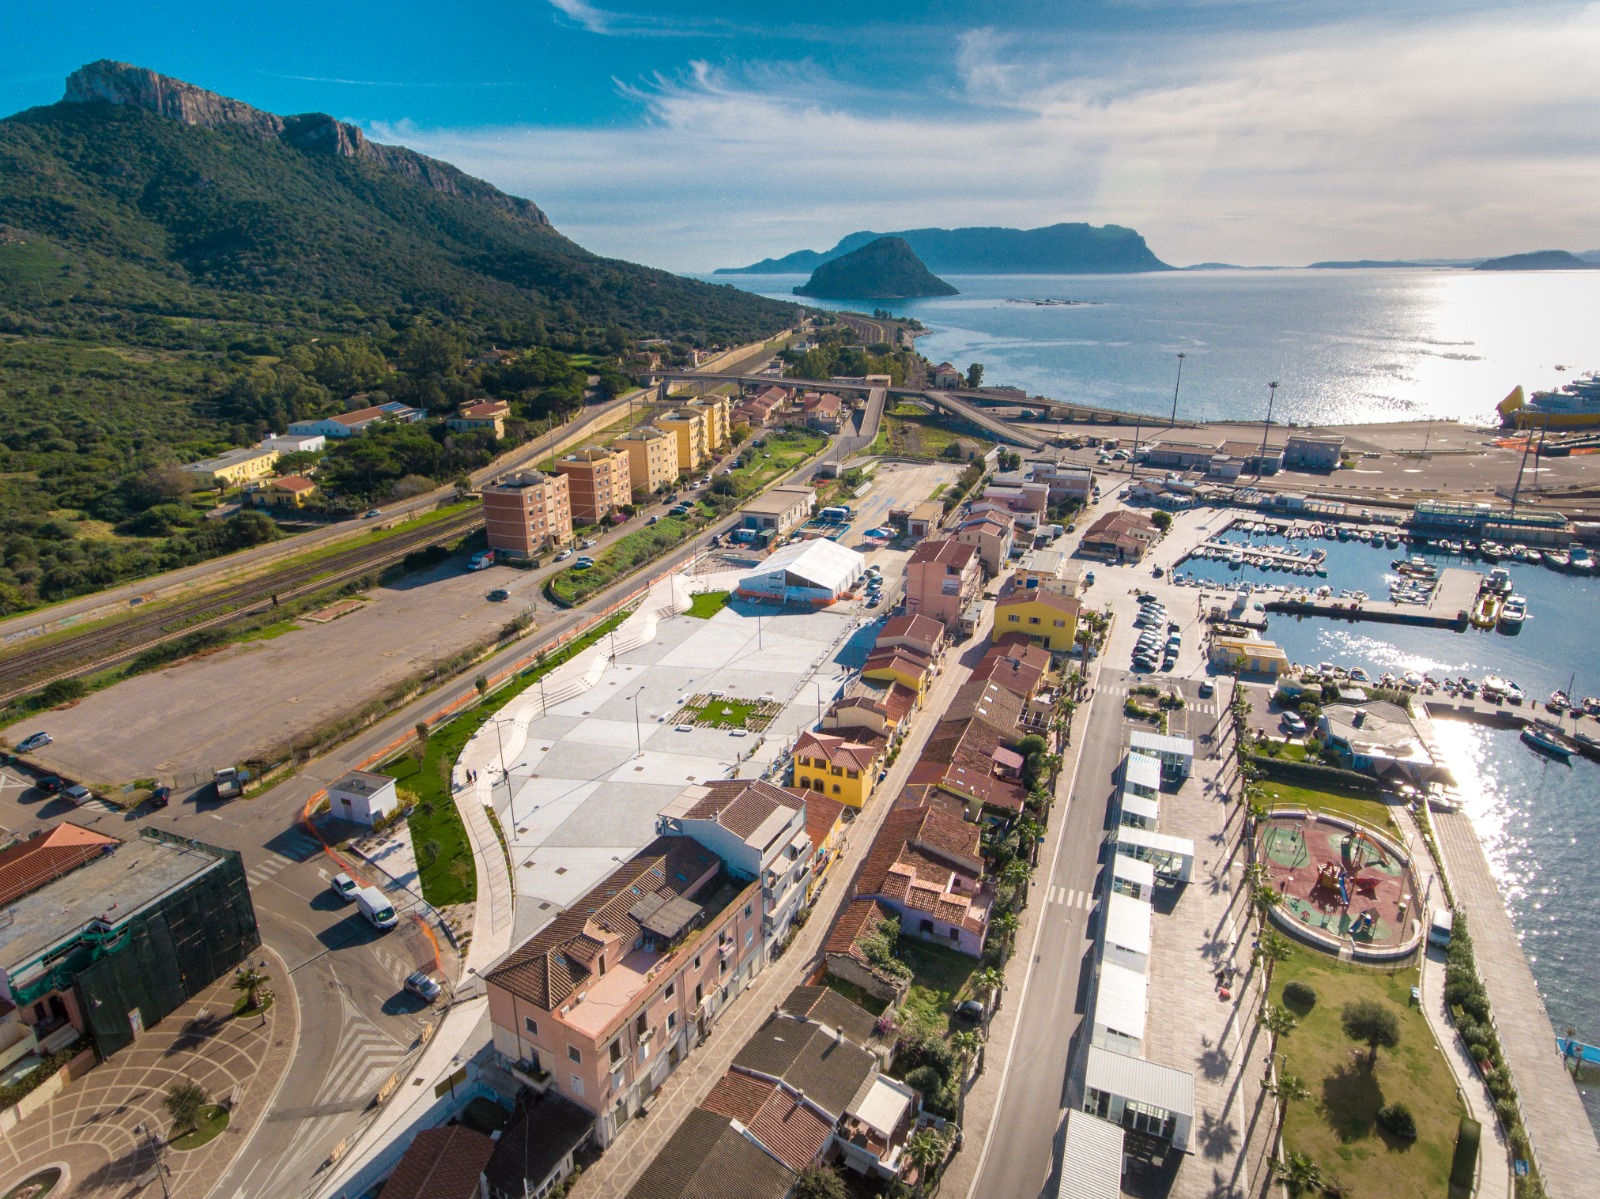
{"points": [[363, 797], [295, 443], [1146, 1097], [817, 572], [1176, 754]]}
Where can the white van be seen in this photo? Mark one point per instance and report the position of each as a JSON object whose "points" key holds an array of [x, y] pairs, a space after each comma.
{"points": [[1440, 926], [376, 908]]}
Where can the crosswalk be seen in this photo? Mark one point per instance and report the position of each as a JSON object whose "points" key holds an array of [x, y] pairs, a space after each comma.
{"points": [[1196, 707], [1069, 897], [363, 1059], [291, 849]]}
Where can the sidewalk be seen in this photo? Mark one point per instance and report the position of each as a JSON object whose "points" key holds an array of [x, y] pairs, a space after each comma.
{"points": [[88, 1130]]}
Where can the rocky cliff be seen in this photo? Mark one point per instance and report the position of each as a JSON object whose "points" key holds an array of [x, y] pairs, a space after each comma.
{"points": [[121, 83]]}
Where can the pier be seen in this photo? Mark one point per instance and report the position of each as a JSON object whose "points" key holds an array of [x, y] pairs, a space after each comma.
{"points": [[1449, 607]]}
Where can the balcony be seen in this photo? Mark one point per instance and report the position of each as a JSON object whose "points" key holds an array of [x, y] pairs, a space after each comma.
{"points": [[530, 1075]]}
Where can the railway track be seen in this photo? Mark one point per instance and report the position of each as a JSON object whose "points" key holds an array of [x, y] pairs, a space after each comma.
{"points": [[97, 649]]}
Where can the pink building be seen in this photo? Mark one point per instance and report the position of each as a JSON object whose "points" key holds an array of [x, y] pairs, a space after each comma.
{"points": [[613, 994], [926, 865], [942, 578]]}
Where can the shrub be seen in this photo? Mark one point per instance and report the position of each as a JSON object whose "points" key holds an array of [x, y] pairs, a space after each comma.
{"points": [[1397, 1120], [62, 691], [1300, 996], [924, 1078]]}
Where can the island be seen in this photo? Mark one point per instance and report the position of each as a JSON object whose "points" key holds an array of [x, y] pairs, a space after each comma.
{"points": [[1538, 260], [885, 269]]}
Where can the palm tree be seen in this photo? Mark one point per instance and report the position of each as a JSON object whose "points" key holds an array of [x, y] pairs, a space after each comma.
{"points": [[1016, 874], [988, 981], [965, 1046], [1299, 1173], [1265, 899], [925, 1149], [1004, 926], [1289, 1088], [1271, 949], [253, 983], [1256, 875], [1279, 1021]]}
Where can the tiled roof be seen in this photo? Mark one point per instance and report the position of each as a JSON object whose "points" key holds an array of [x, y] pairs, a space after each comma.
{"points": [[836, 750], [707, 1158], [1039, 595], [441, 1163], [1002, 670], [919, 632], [896, 658], [987, 524], [294, 483], [919, 845], [738, 1096], [859, 918], [821, 1065], [541, 971], [898, 701], [824, 1005], [741, 805], [46, 856], [944, 550], [540, 1134], [790, 1129], [359, 416], [822, 814], [983, 699]]}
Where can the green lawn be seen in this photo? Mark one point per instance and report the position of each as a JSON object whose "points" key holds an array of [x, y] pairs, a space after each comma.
{"points": [[908, 430], [941, 979], [708, 603], [1336, 1127], [213, 1119], [781, 453], [447, 877], [622, 557], [1367, 808], [856, 995], [724, 713]]}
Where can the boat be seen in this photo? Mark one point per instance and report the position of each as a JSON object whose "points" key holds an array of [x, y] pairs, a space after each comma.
{"points": [[1499, 581], [1535, 556], [1591, 705], [1559, 559], [1236, 559], [1558, 702], [1513, 613], [1574, 405], [1578, 559], [1493, 551], [1486, 610], [1544, 740]]}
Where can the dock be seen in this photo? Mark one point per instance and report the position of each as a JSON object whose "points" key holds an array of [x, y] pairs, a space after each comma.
{"points": [[1563, 1140], [1449, 607]]}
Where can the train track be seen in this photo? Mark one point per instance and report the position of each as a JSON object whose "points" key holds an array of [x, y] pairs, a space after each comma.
{"points": [[98, 649]]}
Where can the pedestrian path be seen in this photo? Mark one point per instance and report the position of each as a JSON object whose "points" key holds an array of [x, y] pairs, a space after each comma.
{"points": [[1070, 898]]}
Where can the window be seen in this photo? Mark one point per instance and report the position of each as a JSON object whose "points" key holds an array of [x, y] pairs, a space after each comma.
{"points": [[672, 989], [641, 1024], [748, 908], [855, 774], [1061, 624], [1013, 618], [1033, 620], [616, 1050], [672, 1021], [955, 934], [530, 1025], [836, 788], [749, 936], [697, 961], [573, 1054]]}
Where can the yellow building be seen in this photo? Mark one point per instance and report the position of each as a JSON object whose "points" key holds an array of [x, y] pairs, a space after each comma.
{"points": [[688, 427], [234, 468], [1045, 617], [900, 664], [652, 458], [291, 491], [839, 769], [716, 419], [1249, 656]]}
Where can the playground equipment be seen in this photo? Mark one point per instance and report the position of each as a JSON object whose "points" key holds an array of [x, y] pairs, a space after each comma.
{"points": [[1330, 877], [1353, 844], [1365, 924]]}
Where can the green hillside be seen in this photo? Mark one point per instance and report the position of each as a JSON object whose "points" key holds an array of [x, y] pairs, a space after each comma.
{"points": [[181, 273], [884, 269]]}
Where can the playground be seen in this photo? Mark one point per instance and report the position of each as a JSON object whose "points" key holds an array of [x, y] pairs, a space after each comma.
{"points": [[1341, 884]]}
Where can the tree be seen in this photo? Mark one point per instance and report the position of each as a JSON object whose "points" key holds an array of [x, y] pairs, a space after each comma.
{"points": [[1289, 1088], [1161, 520], [988, 981], [253, 983], [1300, 1174], [183, 1103], [1016, 874], [1279, 1021], [422, 732], [1266, 898], [975, 375], [1272, 948], [1372, 1022], [819, 1182], [925, 1150]]}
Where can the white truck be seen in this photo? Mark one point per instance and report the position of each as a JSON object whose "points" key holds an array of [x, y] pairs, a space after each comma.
{"points": [[376, 908], [228, 783]]}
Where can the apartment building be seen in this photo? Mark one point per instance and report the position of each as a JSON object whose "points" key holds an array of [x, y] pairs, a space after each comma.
{"points": [[611, 996], [716, 418], [838, 767], [687, 427], [599, 481], [652, 458], [942, 577], [527, 513]]}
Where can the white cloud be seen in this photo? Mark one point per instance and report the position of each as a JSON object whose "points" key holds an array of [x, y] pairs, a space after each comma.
{"points": [[586, 15], [1354, 140]]}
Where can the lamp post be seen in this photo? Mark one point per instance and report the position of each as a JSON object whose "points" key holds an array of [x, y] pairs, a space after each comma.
{"points": [[815, 683], [1175, 386], [638, 736], [155, 1145], [1261, 459]]}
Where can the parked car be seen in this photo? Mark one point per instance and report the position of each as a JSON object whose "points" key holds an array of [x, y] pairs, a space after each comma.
{"points": [[344, 887], [1292, 722], [371, 512], [563, 555], [77, 793], [652, 520], [587, 545], [499, 595], [49, 784], [161, 797], [33, 742], [972, 1011], [423, 986], [1207, 688]]}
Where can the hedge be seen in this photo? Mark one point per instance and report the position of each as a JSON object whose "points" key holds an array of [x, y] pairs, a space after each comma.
{"points": [[1313, 773]]}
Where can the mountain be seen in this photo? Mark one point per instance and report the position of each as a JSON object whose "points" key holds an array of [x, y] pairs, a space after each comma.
{"points": [[1538, 260], [885, 269], [1066, 249], [1360, 264]]}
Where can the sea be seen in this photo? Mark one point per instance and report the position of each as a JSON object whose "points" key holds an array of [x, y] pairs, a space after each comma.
{"points": [[1351, 346]]}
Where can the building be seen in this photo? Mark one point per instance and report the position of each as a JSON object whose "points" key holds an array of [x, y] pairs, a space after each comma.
{"points": [[1046, 617], [923, 634], [1065, 484], [599, 481], [866, 711], [687, 427], [811, 572], [946, 376], [104, 938], [845, 953], [926, 865], [1038, 566], [346, 424], [1181, 454], [486, 416], [992, 537], [900, 667], [403, 413], [825, 827], [536, 1150], [1254, 458], [652, 458], [1313, 451], [943, 577], [441, 1163], [286, 444], [925, 519], [233, 468], [715, 412], [779, 511], [759, 832], [710, 1157], [1246, 655], [1120, 536], [291, 491], [363, 797], [1378, 738], [971, 752], [1140, 1095], [527, 513], [1176, 754], [613, 994], [841, 769], [825, 412]]}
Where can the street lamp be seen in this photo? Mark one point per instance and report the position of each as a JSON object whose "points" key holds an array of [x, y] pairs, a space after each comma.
{"points": [[637, 735], [1261, 460], [156, 1146], [1175, 386]]}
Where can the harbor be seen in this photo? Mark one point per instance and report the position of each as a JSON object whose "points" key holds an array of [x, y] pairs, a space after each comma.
{"points": [[1448, 604]]}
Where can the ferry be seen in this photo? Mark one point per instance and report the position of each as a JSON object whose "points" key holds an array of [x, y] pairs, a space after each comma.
{"points": [[1513, 613], [1575, 405], [1544, 740]]}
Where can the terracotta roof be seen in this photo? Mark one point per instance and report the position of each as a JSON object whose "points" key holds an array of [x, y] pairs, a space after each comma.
{"points": [[837, 750], [46, 856], [1016, 676], [359, 416], [707, 1158], [485, 409], [1039, 595], [899, 701], [543, 972], [790, 1129], [985, 700], [923, 633], [294, 483], [822, 814], [441, 1163], [824, 1005], [988, 524], [944, 550], [859, 918], [897, 658], [741, 805], [917, 848]]}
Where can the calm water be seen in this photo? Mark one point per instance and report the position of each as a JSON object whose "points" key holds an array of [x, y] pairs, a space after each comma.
{"points": [[1539, 820], [1346, 346]]}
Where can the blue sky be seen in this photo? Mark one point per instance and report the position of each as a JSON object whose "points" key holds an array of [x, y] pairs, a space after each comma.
{"points": [[694, 135]]}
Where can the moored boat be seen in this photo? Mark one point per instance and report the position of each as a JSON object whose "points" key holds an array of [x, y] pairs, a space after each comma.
{"points": [[1578, 559], [1544, 740], [1513, 613]]}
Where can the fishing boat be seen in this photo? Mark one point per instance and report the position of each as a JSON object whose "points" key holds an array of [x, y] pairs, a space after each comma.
{"points": [[1499, 581], [1513, 613], [1544, 740], [1578, 558]]}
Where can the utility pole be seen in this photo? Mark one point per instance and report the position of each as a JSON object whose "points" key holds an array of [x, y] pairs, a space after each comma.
{"points": [[1272, 394], [1175, 386]]}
